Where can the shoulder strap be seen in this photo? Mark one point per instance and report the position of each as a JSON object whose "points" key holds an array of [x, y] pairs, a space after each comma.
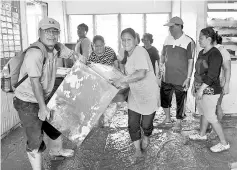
{"points": [[40, 46]]}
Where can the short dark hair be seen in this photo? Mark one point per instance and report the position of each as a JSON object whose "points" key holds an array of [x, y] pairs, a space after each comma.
{"points": [[84, 26], [130, 31], [138, 38], [182, 26], [98, 37], [218, 38], [149, 36]]}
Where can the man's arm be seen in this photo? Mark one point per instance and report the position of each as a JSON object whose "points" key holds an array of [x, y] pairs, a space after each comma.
{"points": [[34, 66], [157, 57], [162, 57], [86, 46], [38, 91], [190, 55], [67, 53], [190, 67]]}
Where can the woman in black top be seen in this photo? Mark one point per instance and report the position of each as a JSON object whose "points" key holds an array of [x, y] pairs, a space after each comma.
{"points": [[153, 52], [207, 88]]}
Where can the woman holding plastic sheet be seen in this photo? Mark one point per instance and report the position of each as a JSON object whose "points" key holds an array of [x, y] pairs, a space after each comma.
{"points": [[207, 87], [142, 98]]}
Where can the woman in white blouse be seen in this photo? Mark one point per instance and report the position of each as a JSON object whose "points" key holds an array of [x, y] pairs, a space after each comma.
{"points": [[143, 94]]}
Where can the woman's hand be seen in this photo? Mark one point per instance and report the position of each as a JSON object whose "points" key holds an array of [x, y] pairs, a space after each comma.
{"points": [[199, 94], [119, 83]]}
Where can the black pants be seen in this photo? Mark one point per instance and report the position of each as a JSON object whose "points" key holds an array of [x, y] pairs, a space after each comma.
{"points": [[166, 93], [137, 121]]}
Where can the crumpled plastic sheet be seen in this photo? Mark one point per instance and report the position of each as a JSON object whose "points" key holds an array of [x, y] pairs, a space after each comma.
{"points": [[80, 100]]}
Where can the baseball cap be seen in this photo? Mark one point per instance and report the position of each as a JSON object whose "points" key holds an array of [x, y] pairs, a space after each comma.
{"points": [[46, 23], [173, 21]]}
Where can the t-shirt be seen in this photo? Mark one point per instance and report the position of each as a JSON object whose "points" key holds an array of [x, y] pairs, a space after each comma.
{"points": [[121, 54], [154, 56], [177, 52], [33, 66], [226, 57], [83, 47], [108, 57], [208, 66], [143, 94]]}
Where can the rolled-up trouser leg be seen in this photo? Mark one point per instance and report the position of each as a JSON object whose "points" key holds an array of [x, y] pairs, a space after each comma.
{"points": [[147, 124], [134, 128], [28, 114], [181, 101]]}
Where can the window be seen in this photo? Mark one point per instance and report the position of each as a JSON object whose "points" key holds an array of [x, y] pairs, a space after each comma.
{"points": [[110, 26], [134, 21], [107, 26], [75, 20], [155, 26], [34, 12], [222, 15]]}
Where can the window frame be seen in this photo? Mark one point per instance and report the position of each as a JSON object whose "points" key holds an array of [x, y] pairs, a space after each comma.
{"points": [[119, 20]]}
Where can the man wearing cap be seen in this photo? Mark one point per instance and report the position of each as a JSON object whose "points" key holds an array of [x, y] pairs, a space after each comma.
{"points": [[31, 94], [177, 55]]}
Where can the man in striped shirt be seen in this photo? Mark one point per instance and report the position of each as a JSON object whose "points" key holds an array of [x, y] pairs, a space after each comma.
{"points": [[177, 55]]}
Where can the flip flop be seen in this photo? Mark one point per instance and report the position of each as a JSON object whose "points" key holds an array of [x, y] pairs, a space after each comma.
{"points": [[57, 158]]}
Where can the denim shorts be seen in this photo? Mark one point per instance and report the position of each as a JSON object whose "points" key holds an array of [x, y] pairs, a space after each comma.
{"points": [[33, 126]]}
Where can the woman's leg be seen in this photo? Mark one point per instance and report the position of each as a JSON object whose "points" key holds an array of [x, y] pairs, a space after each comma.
{"points": [[134, 129], [218, 129], [147, 126], [204, 124]]}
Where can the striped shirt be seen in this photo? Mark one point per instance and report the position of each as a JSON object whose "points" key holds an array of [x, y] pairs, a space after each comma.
{"points": [[177, 52], [108, 57]]}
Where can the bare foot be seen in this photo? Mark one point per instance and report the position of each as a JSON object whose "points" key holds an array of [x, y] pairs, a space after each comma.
{"points": [[166, 121], [145, 142], [177, 127], [137, 154]]}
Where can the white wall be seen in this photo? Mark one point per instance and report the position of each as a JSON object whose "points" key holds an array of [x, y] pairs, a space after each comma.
{"points": [[24, 34], [229, 104], [57, 11], [117, 6]]}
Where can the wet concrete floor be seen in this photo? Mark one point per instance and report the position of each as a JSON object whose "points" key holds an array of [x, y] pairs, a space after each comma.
{"points": [[110, 148]]}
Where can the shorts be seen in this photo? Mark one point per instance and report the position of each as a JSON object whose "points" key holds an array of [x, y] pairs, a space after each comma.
{"points": [[207, 107]]}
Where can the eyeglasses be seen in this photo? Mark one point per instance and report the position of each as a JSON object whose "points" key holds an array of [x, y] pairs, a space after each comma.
{"points": [[51, 32]]}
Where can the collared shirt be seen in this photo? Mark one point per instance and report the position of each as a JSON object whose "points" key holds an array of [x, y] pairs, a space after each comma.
{"points": [[33, 66], [177, 52]]}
